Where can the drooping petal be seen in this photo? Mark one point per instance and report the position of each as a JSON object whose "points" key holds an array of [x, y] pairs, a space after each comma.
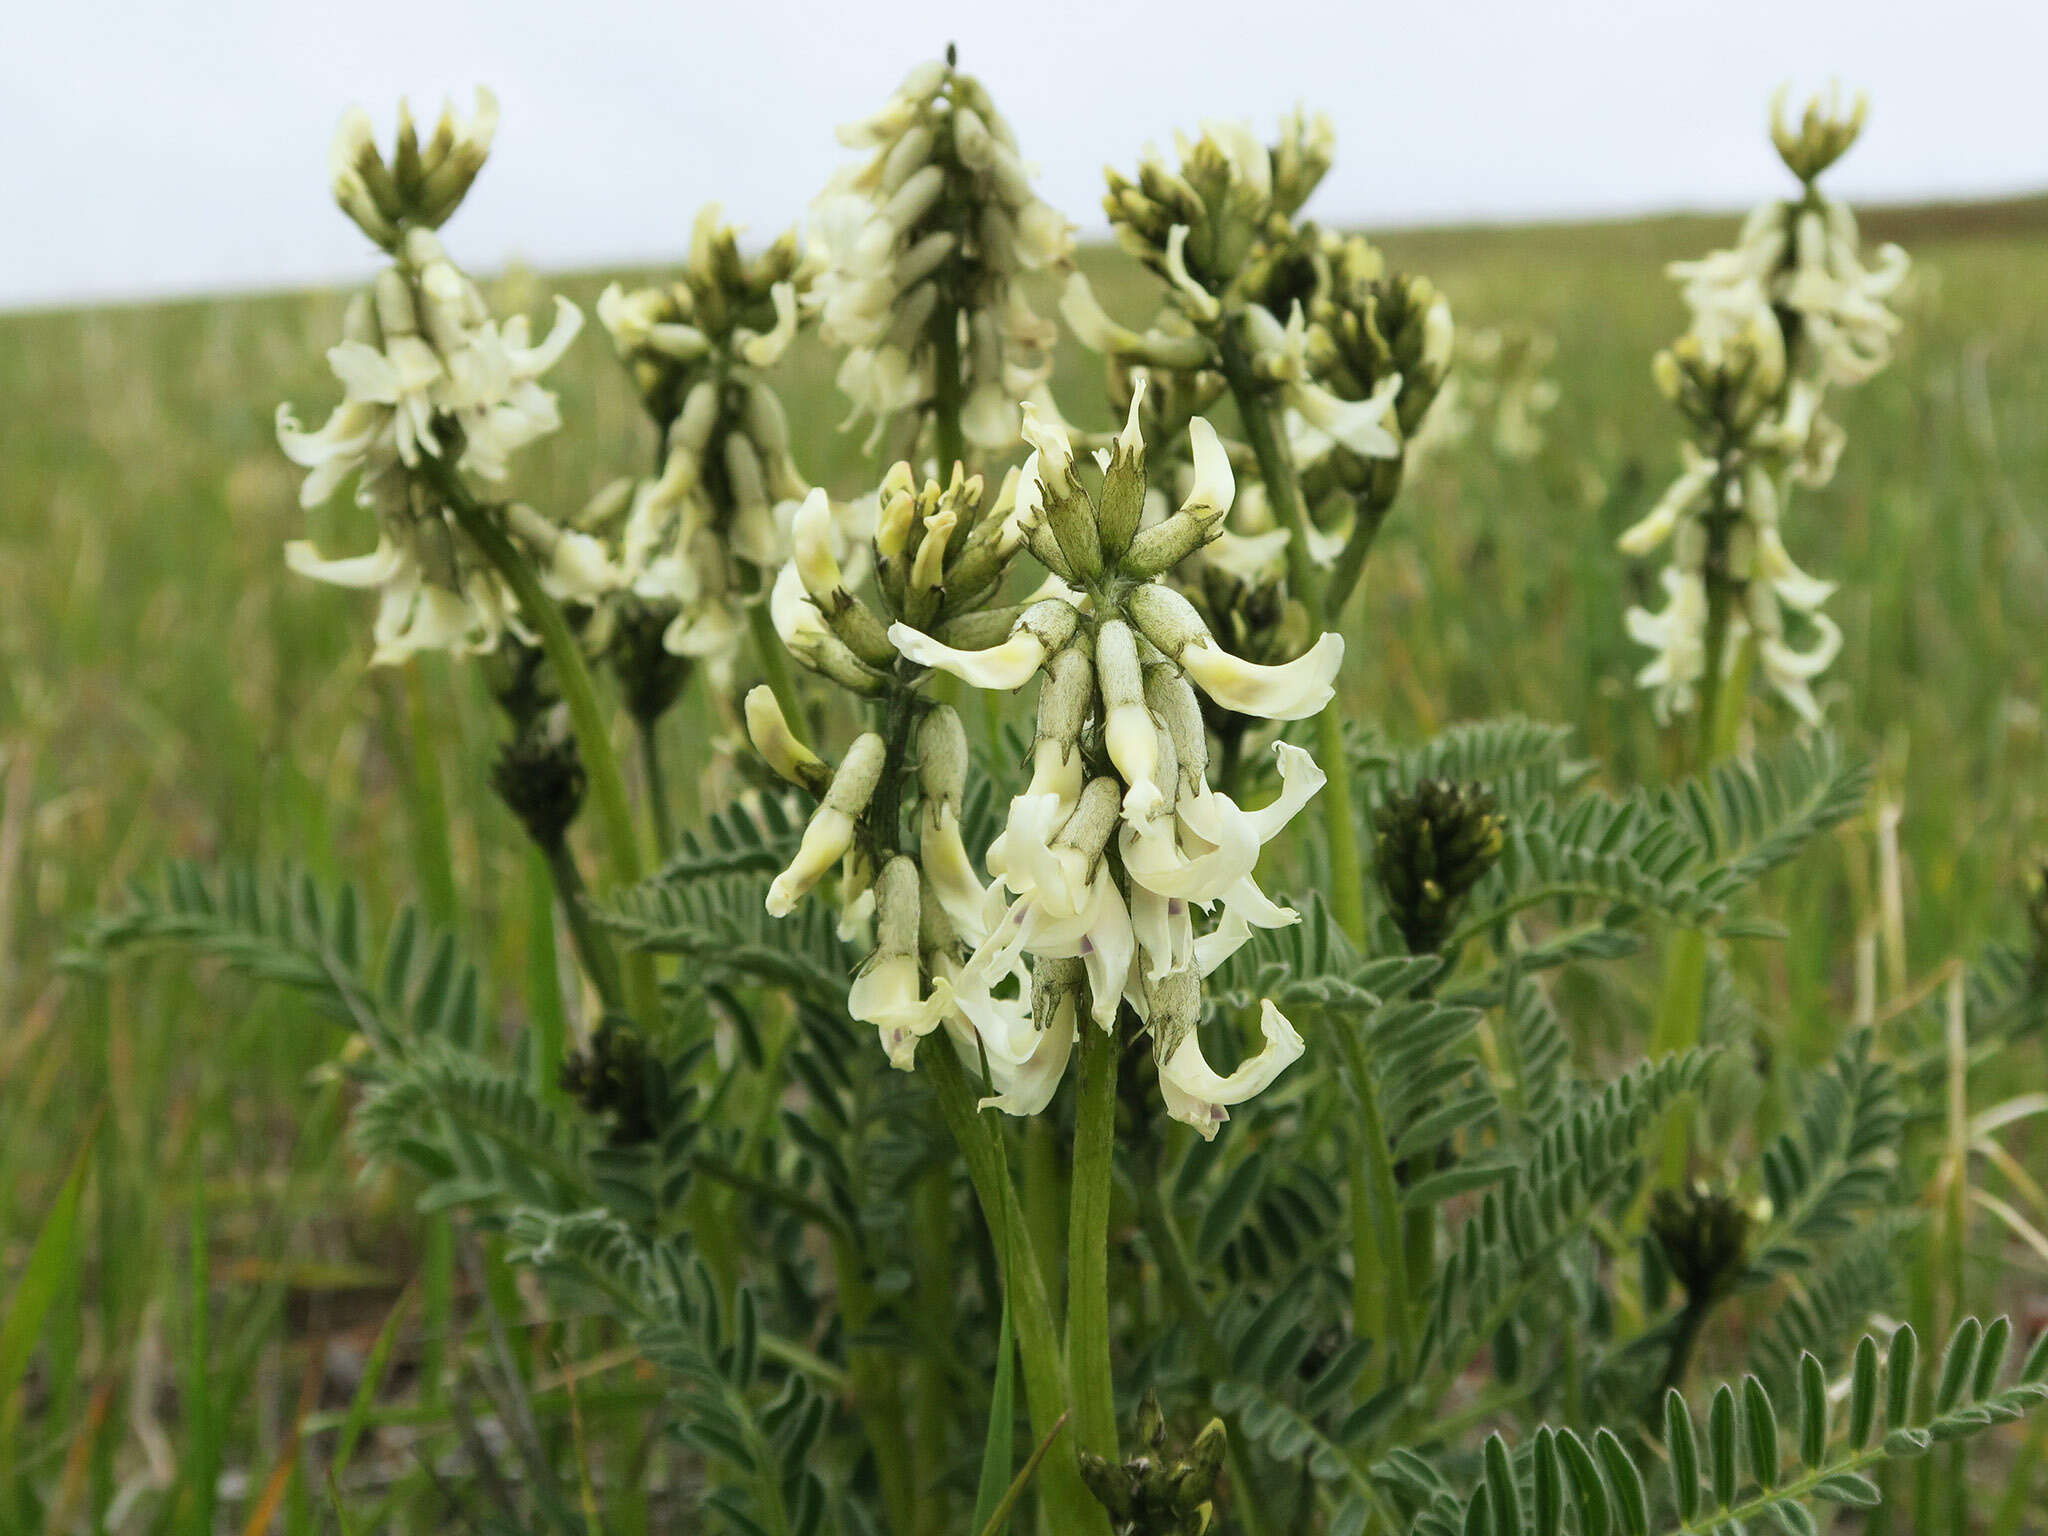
{"points": [[1294, 690], [1215, 486], [1197, 1095], [371, 570], [1006, 666]]}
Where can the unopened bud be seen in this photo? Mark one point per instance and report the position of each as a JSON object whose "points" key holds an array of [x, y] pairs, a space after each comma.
{"points": [[1064, 698], [1122, 503], [1066, 508], [942, 756], [1166, 618], [1095, 816]]}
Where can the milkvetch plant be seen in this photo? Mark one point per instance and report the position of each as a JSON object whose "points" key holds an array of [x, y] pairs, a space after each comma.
{"points": [[1232, 1100]]}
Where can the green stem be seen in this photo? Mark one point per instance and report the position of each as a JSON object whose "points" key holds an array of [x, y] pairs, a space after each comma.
{"points": [[1370, 515], [935, 1272], [1685, 1338], [1045, 1197], [1679, 1007], [877, 1390], [435, 861], [544, 981], [433, 856], [1283, 494], [1094, 1389], [657, 786], [572, 678], [1069, 1506], [592, 947], [1379, 1275]]}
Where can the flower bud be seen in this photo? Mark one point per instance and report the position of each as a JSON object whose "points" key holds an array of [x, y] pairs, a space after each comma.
{"points": [[1122, 502], [615, 1076], [539, 775], [1434, 843], [1822, 136]]}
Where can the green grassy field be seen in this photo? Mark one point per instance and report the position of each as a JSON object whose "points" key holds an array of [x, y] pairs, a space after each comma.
{"points": [[167, 689]]}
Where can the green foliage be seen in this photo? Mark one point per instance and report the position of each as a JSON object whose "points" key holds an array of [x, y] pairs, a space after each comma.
{"points": [[1737, 1470], [1517, 1158]]}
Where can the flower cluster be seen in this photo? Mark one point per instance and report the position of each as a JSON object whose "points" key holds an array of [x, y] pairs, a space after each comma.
{"points": [[1777, 320], [1117, 838], [1351, 353], [1219, 229], [1372, 335], [1801, 261], [1431, 845], [920, 247], [432, 386], [701, 537]]}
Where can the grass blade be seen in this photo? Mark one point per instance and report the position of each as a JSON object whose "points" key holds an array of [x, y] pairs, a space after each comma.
{"points": [[1023, 1480], [42, 1279]]}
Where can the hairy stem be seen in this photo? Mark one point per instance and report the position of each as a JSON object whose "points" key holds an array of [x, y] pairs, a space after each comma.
{"points": [[935, 1266], [1094, 1391], [1682, 1001], [1045, 1197], [572, 677], [1370, 515]]}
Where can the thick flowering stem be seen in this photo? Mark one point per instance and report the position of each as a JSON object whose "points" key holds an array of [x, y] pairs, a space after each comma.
{"points": [[1068, 1504], [572, 677], [934, 1261], [1683, 999], [1283, 493], [588, 939], [656, 781], [1094, 1390]]}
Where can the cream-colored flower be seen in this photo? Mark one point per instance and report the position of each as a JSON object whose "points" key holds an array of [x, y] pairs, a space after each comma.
{"points": [[1197, 1095]]}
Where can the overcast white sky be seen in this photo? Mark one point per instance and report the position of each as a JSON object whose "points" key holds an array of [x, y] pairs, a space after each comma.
{"points": [[176, 146]]}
